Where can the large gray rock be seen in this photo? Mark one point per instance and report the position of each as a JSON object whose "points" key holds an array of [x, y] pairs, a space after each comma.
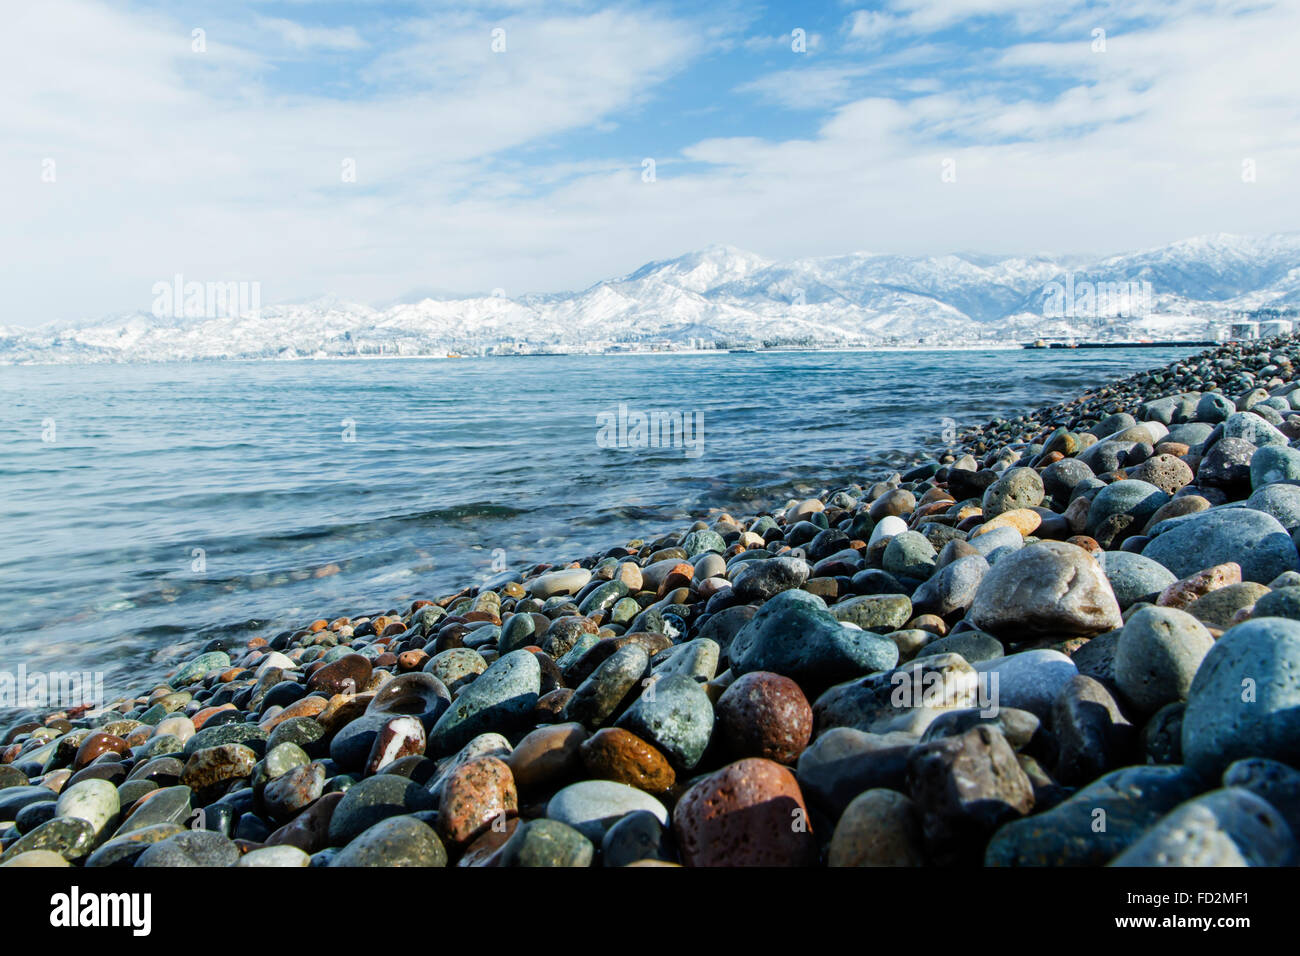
{"points": [[1245, 698], [1045, 589], [1159, 651], [1230, 827], [1134, 577], [794, 635], [1252, 539]]}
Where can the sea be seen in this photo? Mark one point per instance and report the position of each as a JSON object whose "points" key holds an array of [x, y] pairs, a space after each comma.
{"points": [[150, 508]]}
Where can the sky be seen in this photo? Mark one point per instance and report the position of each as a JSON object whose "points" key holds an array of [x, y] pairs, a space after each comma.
{"points": [[382, 151]]}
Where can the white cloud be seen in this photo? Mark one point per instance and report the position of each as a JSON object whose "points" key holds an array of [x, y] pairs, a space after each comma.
{"points": [[171, 162], [302, 37]]}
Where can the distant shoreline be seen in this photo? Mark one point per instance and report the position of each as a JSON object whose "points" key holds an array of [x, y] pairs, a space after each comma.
{"points": [[980, 347]]}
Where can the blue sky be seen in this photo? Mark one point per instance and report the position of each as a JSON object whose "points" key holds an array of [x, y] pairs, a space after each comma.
{"points": [[134, 152]]}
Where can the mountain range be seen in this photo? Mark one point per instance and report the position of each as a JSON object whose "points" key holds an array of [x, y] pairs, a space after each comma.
{"points": [[721, 296]]}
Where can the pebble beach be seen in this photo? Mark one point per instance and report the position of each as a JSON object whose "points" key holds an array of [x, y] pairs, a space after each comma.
{"points": [[1070, 639]]}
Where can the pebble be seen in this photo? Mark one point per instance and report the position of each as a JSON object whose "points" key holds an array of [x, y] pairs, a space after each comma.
{"points": [[275, 856], [1134, 578], [878, 828], [749, 813], [592, 806], [479, 794], [596, 699], [824, 653], [1158, 654], [191, 848], [501, 698], [764, 715], [675, 715], [1231, 827], [397, 841], [1096, 823], [615, 754], [964, 788], [1245, 698], [374, 799], [546, 843], [761, 580], [1046, 589], [1253, 540], [95, 801], [547, 755]]}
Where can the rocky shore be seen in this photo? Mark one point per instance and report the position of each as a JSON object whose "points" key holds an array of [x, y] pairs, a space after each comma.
{"points": [[1072, 639]]}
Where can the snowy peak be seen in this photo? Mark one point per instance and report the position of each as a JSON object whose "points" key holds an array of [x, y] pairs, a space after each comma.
{"points": [[722, 296]]}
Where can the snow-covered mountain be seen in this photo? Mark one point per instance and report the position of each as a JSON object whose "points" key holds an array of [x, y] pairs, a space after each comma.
{"points": [[722, 296]]}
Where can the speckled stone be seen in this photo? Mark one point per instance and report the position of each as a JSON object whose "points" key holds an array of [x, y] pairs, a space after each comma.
{"points": [[478, 794], [213, 766], [675, 714], [749, 813], [374, 799], [191, 848], [1158, 654], [293, 791], [1231, 827], [764, 715], [70, 837], [501, 699], [594, 700], [615, 754], [402, 841], [1245, 698]]}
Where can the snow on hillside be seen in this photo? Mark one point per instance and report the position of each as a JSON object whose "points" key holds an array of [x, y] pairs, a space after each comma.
{"points": [[724, 296]]}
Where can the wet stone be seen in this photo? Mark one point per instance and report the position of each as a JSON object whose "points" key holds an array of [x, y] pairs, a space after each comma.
{"points": [[749, 813], [615, 754], [675, 714], [501, 699], [764, 715], [546, 843], [293, 791], [374, 799], [478, 794], [401, 841], [191, 848], [70, 837], [637, 836]]}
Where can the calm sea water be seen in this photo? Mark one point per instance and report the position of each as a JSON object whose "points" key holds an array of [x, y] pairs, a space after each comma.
{"points": [[148, 509]]}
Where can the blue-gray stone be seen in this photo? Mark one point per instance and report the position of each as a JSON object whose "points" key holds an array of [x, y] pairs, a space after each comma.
{"points": [[1274, 463], [1252, 428], [1245, 699], [794, 634], [1230, 827], [675, 714], [1140, 499], [593, 806], [501, 699], [1134, 577], [1280, 501], [1252, 539]]}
